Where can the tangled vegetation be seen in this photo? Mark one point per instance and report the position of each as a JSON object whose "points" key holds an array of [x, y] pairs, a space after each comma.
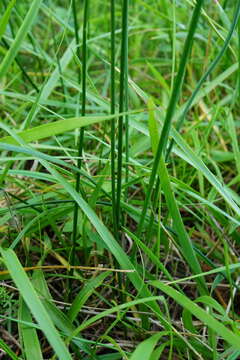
{"points": [[119, 179]]}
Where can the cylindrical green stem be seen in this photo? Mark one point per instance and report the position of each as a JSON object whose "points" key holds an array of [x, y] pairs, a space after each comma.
{"points": [[122, 95], [113, 109], [83, 75]]}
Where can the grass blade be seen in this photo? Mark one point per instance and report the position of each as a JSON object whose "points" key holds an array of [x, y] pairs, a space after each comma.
{"points": [[5, 18], [113, 110], [208, 72], [25, 27], [122, 99], [28, 334], [33, 302], [55, 128], [184, 241], [199, 313], [171, 108], [147, 347], [83, 111], [186, 244], [84, 294]]}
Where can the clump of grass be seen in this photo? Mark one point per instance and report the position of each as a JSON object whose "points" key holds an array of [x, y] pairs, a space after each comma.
{"points": [[120, 156]]}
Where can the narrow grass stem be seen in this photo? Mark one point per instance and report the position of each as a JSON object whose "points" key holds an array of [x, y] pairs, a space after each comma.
{"points": [[126, 119], [127, 148], [113, 109], [59, 65], [25, 74], [83, 111], [171, 108], [238, 29], [76, 32], [123, 74], [207, 73]]}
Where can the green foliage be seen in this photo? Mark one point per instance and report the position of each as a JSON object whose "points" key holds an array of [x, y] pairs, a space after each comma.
{"points": [[4, 298], [119, 138]]}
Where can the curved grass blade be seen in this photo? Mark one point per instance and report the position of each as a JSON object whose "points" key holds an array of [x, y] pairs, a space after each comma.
{"points": [[171, 109], [25, 27], [200, 314], [33, 302], [189, 155], [183, 238], [58, 317], [208, 72], [121, 352], [84, 294], [154, 258], [147, 347], [8, 351], [55, 128], [113, 309], [221, 269], [5, 18]]}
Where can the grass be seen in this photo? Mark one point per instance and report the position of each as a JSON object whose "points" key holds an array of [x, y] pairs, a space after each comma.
{"points": [[119, 176]]}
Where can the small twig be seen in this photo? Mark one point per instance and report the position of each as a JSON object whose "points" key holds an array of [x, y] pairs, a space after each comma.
{"points": [[56, 267]]}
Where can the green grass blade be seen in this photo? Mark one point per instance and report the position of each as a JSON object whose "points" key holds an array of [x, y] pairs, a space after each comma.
{"points": [[154, 258], [58, 317], [113, 110], [200, 314], [194, 160], [171, 108], [28, 334], [234, 137], [25, 27], [114, 309], [5, 18], [55, 128], [50, 84], [147, 347], [84, 294], [122, 99], [183, 238], [208, 72], [8, 351], [33, 302], [221, 269], [83, 112]]}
